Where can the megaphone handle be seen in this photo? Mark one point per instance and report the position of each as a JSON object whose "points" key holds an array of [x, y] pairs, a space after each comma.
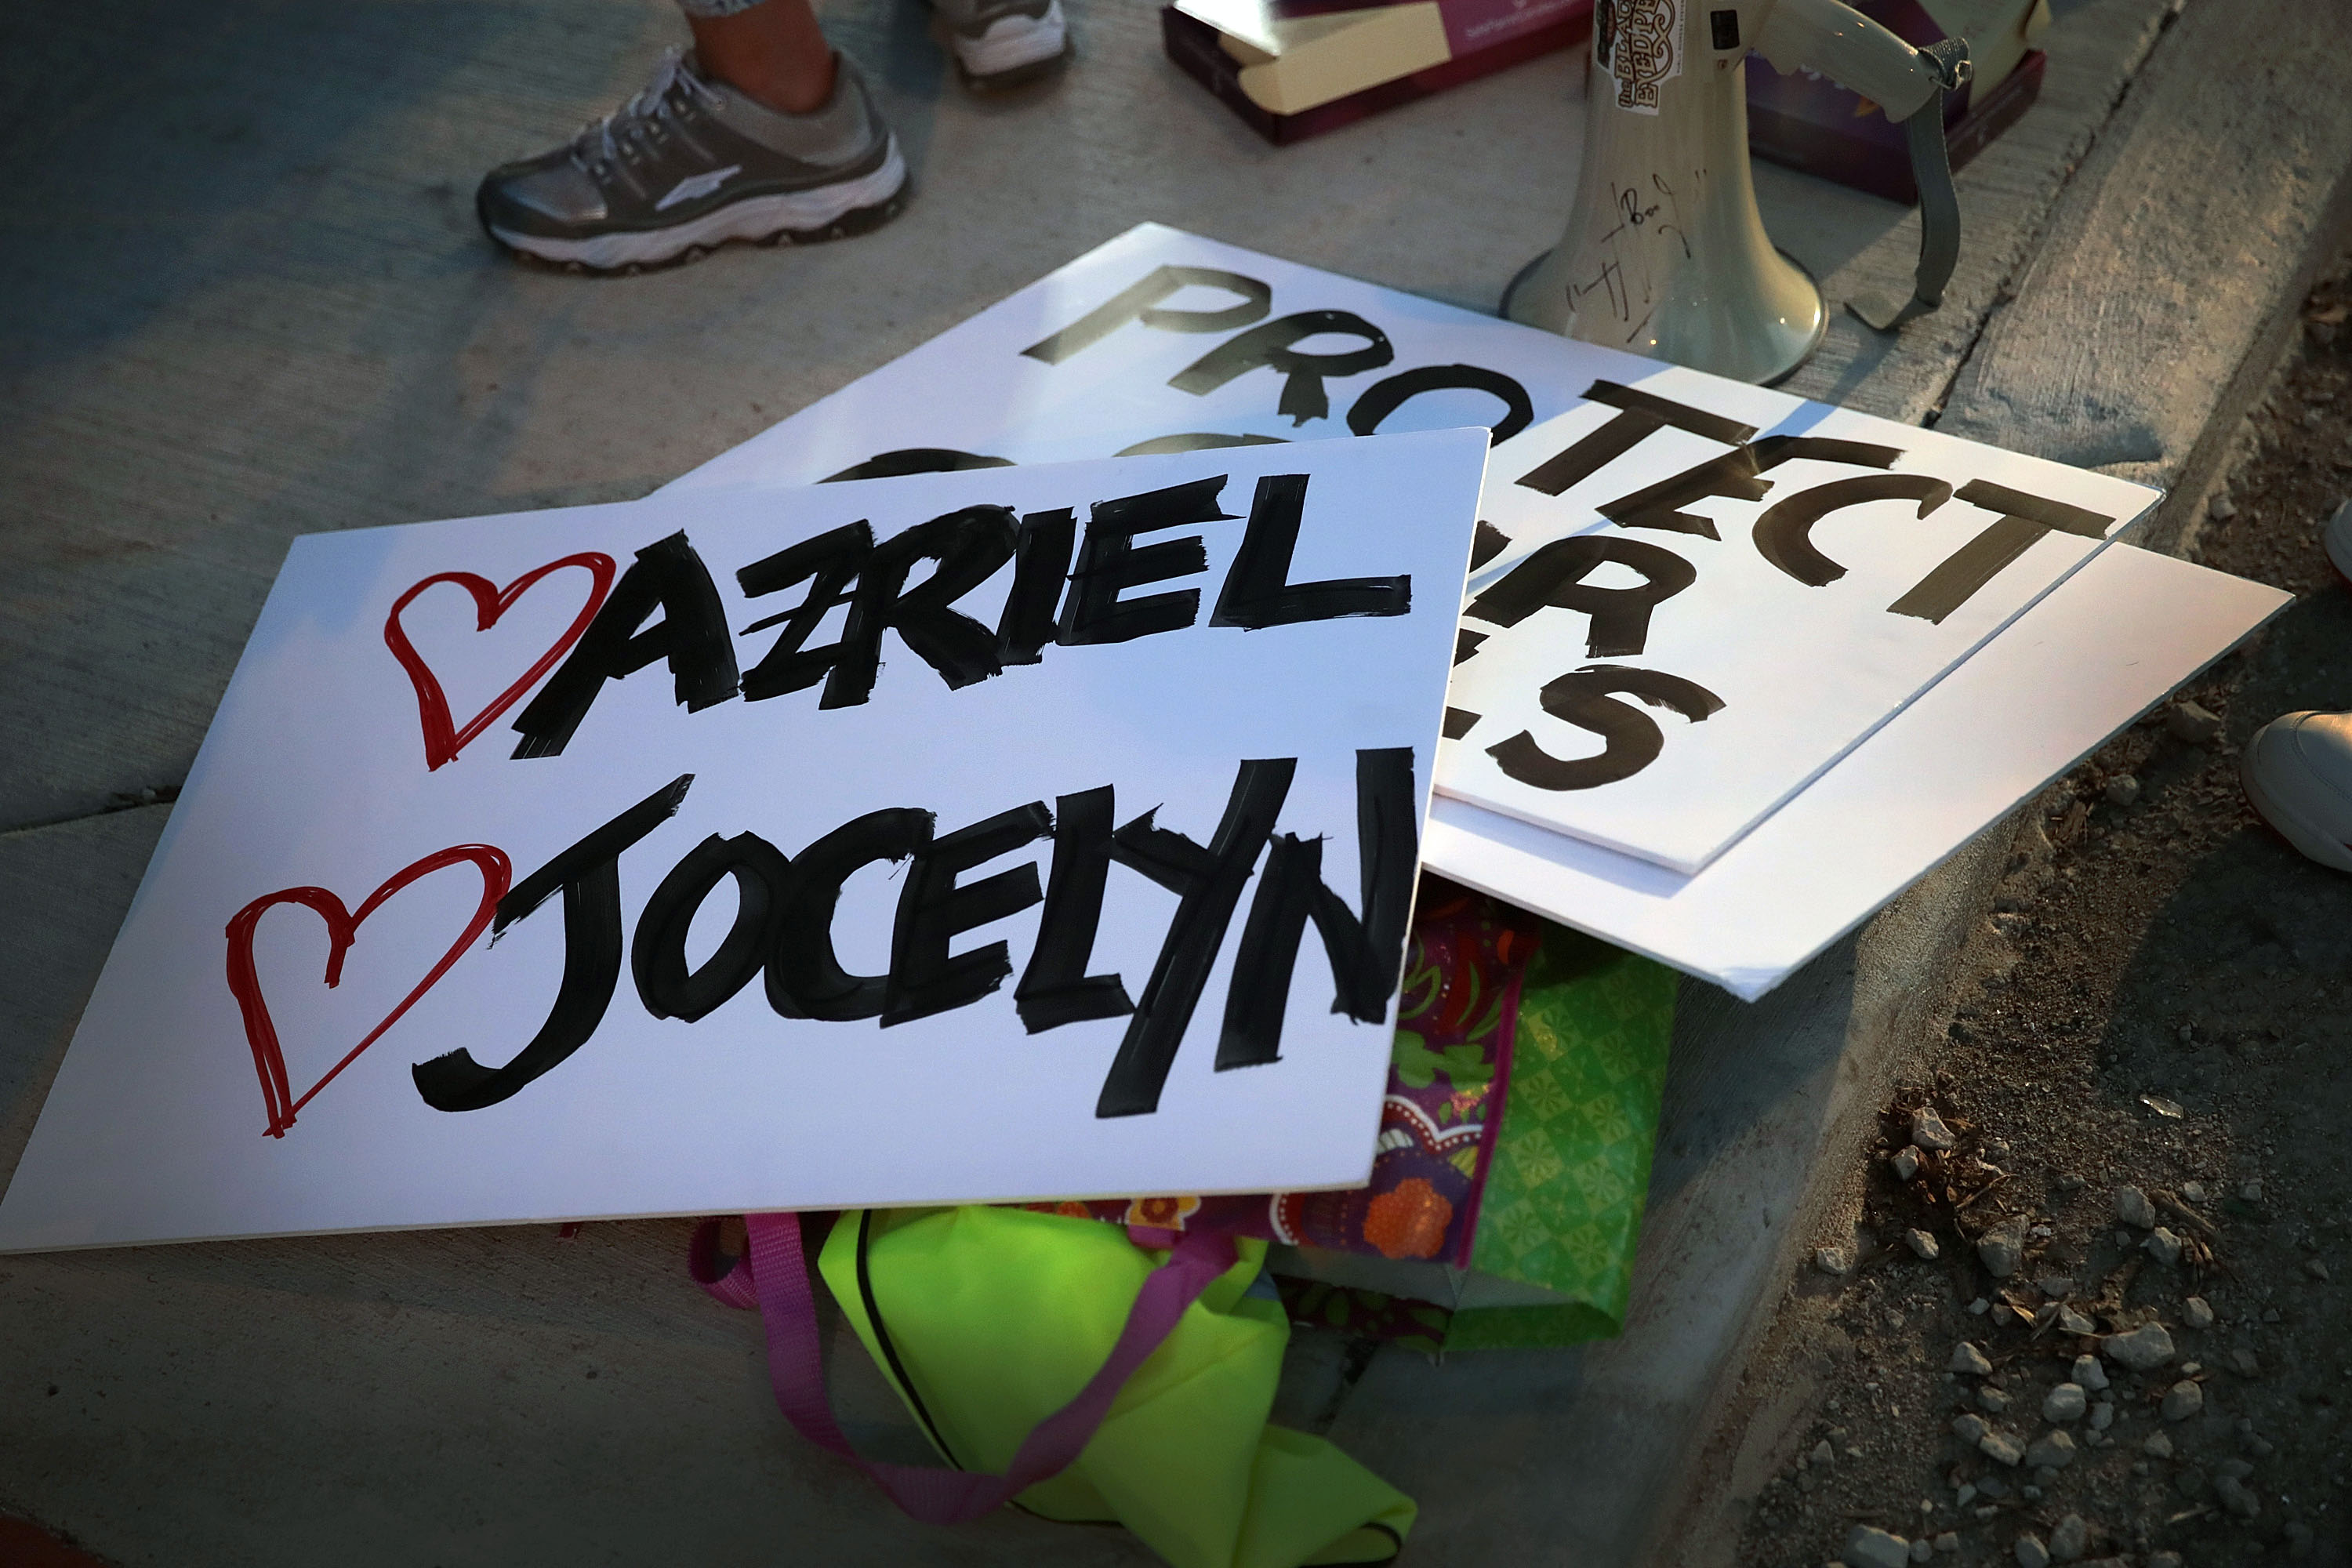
{"points": [[1939, 203]]}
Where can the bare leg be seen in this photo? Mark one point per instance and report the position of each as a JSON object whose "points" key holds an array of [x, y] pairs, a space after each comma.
{"points": [[772, 52]]}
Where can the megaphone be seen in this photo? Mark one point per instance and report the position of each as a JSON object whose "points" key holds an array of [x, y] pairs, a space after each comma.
{"points": [[1665, 254]]}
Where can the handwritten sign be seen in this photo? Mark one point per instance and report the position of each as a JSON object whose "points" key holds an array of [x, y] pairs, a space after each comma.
{"points": [[981, 834], [1693, 594]]}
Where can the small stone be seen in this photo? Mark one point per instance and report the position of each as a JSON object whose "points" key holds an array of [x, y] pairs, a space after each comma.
{"points": [[1870, 1547], [1922, 1243], [2073, 1323], [2143, 1350], [1965, 1496], [2165, 1560], [1823, 1453], [2052, 1450], [2182, 1400], [1921, 1551], [2236, 1498], [2316, 1269], [2245, 1364], [2102, 1415], [2057, 1287], [2194, 724], [2193, 1191], [1970, 1429], [2165, 1246], [2298, 1538], [2197, 1312], [2251, 1192], [1968, 1358], [1992, 1399], [2001, 1447], [1905, 1162], [2157, 1447], [2068, 1182], [1948, 1541], [2123, 789], [1979, 1307], [1929, 1132], [2000, 1248], [2222, 510], [2031, 1553], [2064, 1402], [2090, 1374], [2132, 1208], [2069, 1539], [1992, 1487], [1833, 1260]]}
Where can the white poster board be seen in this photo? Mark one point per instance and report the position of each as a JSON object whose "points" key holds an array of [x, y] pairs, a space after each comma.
{"points": [[1818, 600], [742, 850]]}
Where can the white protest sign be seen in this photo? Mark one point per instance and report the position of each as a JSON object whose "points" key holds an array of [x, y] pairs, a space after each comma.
{"points": [[1654, 664], [797, 849], [1764, 580]]}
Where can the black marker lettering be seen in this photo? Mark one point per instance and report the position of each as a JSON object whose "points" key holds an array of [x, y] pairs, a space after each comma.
{"points": [[1258, 593], [667, 576], [1486, 544], [1138, 302], [589, 875], [1554, 575], [1365, 955], [916, 460], [1583, 698], [1092, 612], [1041, 563], [969, 544], [2024, 518], [1208, 884], [924, 977], [657, 956], [1774, 450], [1784, 534], [806, 979], [1460, 721], [828, 563], [1196, 441], [1383, 398], [1466, 643], [1269, 346], [1639, 414], [1731, 474], [1056, 988]]}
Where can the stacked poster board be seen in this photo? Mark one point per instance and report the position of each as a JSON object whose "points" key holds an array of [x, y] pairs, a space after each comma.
{"points": [[1004, 778]]}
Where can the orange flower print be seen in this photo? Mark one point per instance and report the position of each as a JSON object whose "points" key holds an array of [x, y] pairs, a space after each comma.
{"points": [[1408, 1221], [1162, 1214]]}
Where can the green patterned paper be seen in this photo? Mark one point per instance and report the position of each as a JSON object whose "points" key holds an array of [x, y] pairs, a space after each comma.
{"points": [[1562, 1209]]}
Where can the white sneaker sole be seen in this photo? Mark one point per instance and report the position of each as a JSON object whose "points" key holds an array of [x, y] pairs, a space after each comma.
{"points": [[1013, 43], [2315, 842], [808, 212]]}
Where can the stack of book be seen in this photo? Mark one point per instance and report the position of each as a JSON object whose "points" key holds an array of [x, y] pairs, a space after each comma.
{"points": [[1295, 68]]}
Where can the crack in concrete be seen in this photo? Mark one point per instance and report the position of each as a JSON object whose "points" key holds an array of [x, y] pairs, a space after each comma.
{"points": [[120, 802]]}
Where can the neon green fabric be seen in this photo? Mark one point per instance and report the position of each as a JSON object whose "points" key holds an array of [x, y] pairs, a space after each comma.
{"points": [[997, 1317]]}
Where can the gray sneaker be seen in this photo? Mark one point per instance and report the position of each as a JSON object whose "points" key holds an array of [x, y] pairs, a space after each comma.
{"points": [[1003, 43], [690, 163]]}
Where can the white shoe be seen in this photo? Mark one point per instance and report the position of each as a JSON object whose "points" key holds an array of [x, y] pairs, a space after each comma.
{"points": [[1002, 42], [2298, 775], [2338, 538]]}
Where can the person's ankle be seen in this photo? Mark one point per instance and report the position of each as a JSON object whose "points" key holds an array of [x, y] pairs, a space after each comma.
{"points": [[787, 92]]}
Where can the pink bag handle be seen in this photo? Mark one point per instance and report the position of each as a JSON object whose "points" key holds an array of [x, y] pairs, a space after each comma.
{"points": [[772, 1275]]}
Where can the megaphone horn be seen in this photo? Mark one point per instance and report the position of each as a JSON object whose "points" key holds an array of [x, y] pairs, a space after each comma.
{"points": [[1665, 254]]}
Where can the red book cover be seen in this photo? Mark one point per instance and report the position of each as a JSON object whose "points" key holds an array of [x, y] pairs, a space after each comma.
{"points": [[1486, 36], [1806, 121]]}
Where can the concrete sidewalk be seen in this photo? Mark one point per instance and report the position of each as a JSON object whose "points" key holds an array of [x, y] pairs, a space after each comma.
{"points": [[244, 298]]}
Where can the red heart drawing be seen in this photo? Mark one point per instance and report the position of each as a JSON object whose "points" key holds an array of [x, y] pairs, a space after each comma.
{"points": [[441, 743], [343, 926]]}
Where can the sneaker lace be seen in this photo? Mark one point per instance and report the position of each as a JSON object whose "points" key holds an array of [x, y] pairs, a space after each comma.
{"points": [[631, 132]]}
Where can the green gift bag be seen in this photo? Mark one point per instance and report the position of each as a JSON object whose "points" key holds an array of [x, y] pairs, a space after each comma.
{"points": [[1551, 1262]]}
